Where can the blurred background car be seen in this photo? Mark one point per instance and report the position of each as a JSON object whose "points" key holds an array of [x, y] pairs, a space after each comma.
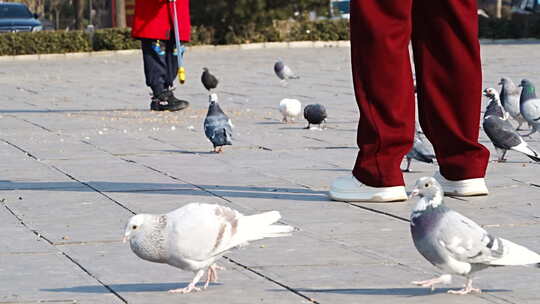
{"points": [[340, 8], [16, 17]]}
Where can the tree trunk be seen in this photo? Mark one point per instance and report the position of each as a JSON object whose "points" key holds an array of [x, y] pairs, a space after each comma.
{"points": [[120, 13], [79, 9], [57, 19]]}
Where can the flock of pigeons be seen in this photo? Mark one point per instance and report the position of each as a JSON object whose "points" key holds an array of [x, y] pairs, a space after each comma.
{"points": [[522, 106], [196, 236], [218, 126]]}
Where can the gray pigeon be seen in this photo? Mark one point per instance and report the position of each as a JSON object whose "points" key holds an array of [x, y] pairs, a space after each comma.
{"points": [[195, 236], [510, 100], [315, 114], [499, 130], [217, 125], [283, 72], [208, 80], [456, 244], [529, 105], [420, 151]]}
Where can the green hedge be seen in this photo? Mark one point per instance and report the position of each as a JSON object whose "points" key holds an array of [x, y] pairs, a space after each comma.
{"points": [[43, 43], [48, 42], [114, 39], [520, 26], [120, 39]]}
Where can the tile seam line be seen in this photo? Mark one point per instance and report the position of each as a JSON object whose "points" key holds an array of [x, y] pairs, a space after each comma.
{"points": [[67, 256], [28, 154], [387, 214], [260, 274]]}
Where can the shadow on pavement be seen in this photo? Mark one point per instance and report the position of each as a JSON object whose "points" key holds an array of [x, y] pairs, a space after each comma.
{"points": [[299, 194], [72, 110], [413, 291], [136, 287]]}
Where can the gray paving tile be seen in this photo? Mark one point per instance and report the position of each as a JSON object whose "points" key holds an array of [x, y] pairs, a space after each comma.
{"points": [[109, 151]]}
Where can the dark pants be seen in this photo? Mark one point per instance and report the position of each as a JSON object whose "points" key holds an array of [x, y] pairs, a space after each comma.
{"points": [[159, 70], [444, 36]]}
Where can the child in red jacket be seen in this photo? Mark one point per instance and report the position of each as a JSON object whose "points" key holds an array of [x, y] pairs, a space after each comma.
{"points": [[153, 25]]}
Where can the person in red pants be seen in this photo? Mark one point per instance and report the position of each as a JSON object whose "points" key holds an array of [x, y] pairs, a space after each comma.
{"points": [[153, 25], [444, 35]]}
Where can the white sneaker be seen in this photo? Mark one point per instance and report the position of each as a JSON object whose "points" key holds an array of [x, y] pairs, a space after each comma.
{"points": [[465, 187], [349, 189]]}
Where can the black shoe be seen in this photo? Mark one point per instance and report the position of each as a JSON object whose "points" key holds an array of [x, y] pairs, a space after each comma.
{"points": [[165, 101]]}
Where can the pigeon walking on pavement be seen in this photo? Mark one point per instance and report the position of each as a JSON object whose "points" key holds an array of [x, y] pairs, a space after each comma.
{"points": [[208, 80], [420, 151], [195, 236], [454, 243], [510, 100], [217, 125], [283, 72], [315, 114], [499, 130], [289, 109], [529, 105]]}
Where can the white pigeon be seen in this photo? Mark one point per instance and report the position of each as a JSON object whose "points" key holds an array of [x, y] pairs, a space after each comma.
{"points": [[455, 244], [499, 130], [509, 98], [195, 236], [529, 105], [289, 108]]}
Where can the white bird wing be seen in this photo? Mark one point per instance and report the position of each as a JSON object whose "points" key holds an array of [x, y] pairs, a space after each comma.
{"points": [[199, 231], [466, 241]]}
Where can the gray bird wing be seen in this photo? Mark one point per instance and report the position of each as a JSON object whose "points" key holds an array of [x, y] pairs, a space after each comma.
{"points": [[501, 133], [531, 110], [288, 73], [215, 123], [512, 104], [421, 152], [200, 232], [466, 241]]}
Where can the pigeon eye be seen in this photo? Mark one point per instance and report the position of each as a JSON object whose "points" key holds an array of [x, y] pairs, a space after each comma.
{"points": [[426, 185], [134, 227]]}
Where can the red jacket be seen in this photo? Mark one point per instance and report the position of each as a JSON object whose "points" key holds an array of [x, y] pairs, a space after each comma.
{"points": [[154, 19]]}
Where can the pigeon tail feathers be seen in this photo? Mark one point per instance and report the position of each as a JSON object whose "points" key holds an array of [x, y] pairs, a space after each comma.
{"points": [[525, 149], [535, 158], [261, 226], [516, 255], [425, 158]]}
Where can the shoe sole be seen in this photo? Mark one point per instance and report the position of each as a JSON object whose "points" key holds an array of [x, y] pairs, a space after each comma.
{"points": [[351, 197], [472, 187], [466, 194], [169, 110]]}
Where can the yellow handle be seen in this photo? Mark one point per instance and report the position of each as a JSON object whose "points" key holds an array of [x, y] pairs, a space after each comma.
{"points": [[181, 75]]}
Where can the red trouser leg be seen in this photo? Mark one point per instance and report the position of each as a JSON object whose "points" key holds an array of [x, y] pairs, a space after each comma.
{"points": [[380, 35], [449, 84], [448, 71]]}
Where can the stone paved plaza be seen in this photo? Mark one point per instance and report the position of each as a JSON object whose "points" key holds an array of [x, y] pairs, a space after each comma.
{"points": [[81, 153]]}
